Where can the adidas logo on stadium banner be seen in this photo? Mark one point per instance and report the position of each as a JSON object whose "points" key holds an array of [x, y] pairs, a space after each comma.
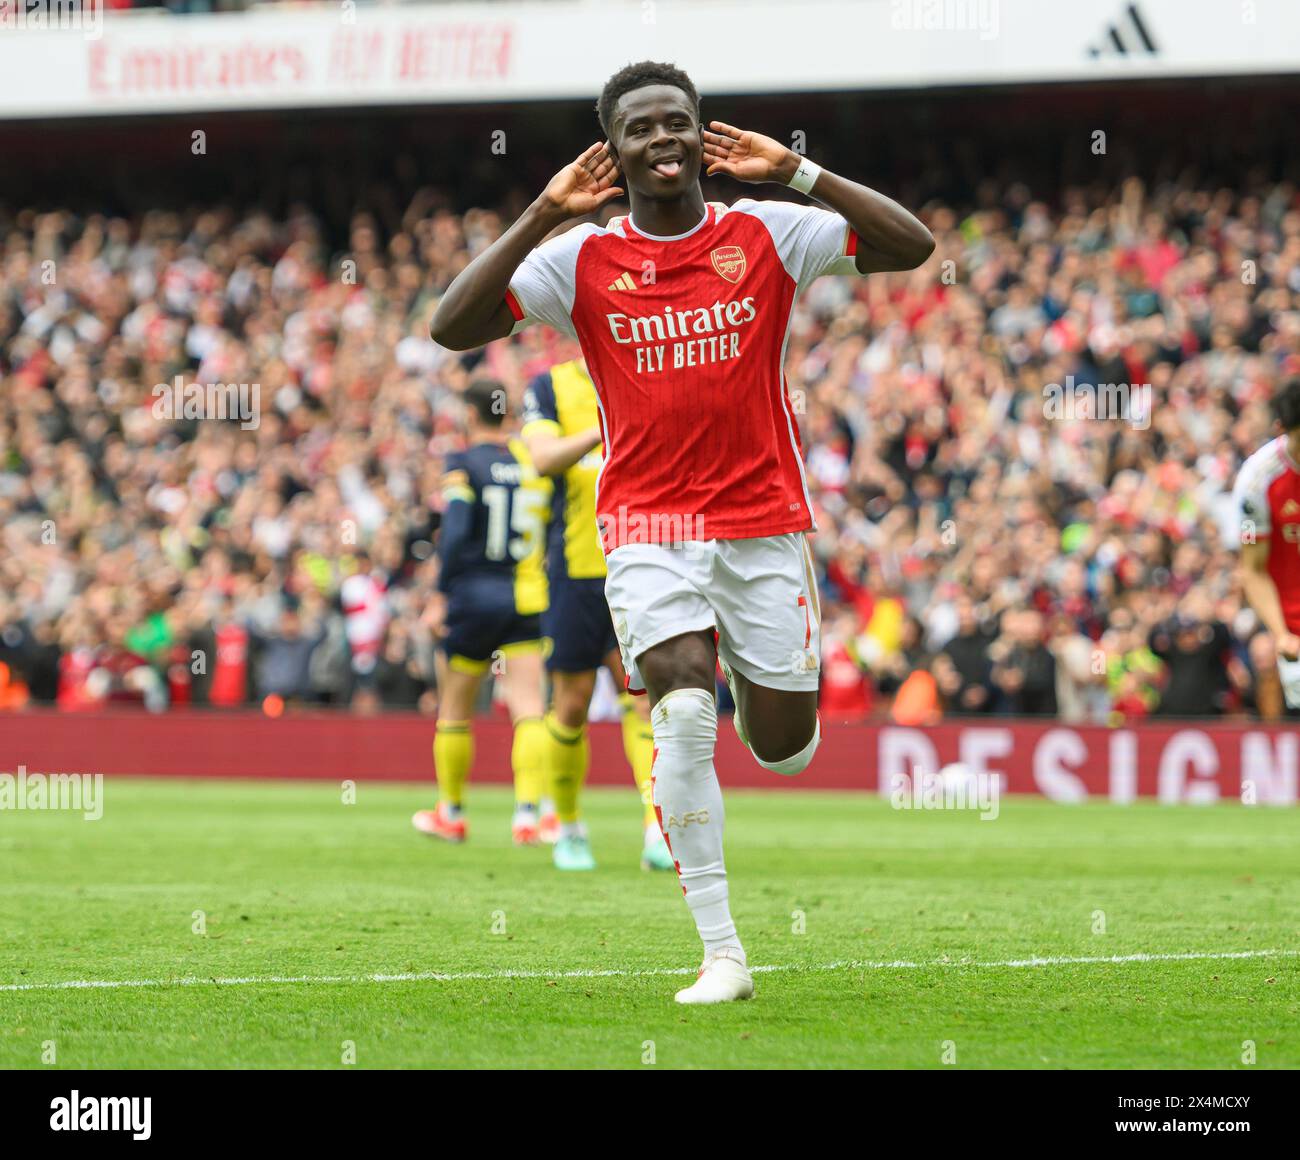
{"points": [[624, 281], [1125, 36]]}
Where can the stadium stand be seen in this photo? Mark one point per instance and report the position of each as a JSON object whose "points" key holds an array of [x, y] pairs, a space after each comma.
{"points": [[980, 554]]}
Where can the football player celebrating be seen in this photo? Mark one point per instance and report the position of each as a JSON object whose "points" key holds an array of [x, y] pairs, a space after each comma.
{"points": [[682, 309], [561, 433], [1267, 497], [490, 547]]}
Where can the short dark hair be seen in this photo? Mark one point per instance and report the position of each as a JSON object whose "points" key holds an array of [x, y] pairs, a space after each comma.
{"points": [[639, 76], [1286, 404], [487, 398]]}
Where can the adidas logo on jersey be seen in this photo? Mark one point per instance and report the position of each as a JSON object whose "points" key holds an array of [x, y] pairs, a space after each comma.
{"points": [[624, 281]]}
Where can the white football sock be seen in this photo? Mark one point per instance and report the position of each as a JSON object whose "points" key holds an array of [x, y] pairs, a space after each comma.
{"points": [[689, 801]]}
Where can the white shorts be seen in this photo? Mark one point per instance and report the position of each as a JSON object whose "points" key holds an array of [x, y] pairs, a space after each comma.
{"points": [[1289, 671], [759, 595]]}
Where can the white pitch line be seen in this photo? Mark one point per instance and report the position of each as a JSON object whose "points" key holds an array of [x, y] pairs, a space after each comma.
{"points": [[656, 972]]}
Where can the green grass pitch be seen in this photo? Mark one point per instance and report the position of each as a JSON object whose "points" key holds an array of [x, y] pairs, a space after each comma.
{"points": [[889, 933]]}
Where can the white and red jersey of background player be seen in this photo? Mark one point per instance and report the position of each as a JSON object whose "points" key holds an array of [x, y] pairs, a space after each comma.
{"points": [[365, 610], [685, 341], [1267, 499]]}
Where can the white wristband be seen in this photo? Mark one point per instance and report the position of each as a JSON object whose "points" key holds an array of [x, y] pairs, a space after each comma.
{"points": [[805, 177]]}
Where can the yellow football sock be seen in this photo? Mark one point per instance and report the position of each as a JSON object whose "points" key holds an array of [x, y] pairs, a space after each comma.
{"points": [[453, 757], [528, 760], [570, 754], [639, 745]]}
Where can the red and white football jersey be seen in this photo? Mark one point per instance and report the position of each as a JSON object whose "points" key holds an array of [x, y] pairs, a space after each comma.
{"points": [[1267, 497], [685, 339], [365, 612]]}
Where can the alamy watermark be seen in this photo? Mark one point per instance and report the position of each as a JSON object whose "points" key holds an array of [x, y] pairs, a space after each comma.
{"points": [[672, 529], [946, 16], [53, 791], [83, 1113], [1106, 402], [84, 16], [954, 787], [179, 400]]}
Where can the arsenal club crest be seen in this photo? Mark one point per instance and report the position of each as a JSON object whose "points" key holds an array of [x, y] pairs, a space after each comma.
{"points": [[729, 261]]}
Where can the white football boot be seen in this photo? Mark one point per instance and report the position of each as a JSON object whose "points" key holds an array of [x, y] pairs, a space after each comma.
{"points": [[722, 979]]}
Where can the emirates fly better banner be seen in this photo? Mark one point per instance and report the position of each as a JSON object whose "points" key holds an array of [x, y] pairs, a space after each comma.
{"points": [[58, 63]]}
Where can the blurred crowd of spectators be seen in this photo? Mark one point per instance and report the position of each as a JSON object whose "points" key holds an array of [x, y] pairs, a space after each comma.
{"points": [[979, 553]]}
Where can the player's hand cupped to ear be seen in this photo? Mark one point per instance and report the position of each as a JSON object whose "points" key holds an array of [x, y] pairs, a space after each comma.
{"points": [[747, 156], [586, 184]]}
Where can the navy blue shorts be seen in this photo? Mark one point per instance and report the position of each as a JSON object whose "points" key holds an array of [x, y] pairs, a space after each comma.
{"points": [[482, 619], [579, 625]]}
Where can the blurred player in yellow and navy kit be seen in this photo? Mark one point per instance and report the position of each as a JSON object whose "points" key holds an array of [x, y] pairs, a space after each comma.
{"points": [[561, 429], [491, 547]]}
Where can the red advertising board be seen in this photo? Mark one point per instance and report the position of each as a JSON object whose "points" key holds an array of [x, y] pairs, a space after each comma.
{"points": [[1175, 762]]}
